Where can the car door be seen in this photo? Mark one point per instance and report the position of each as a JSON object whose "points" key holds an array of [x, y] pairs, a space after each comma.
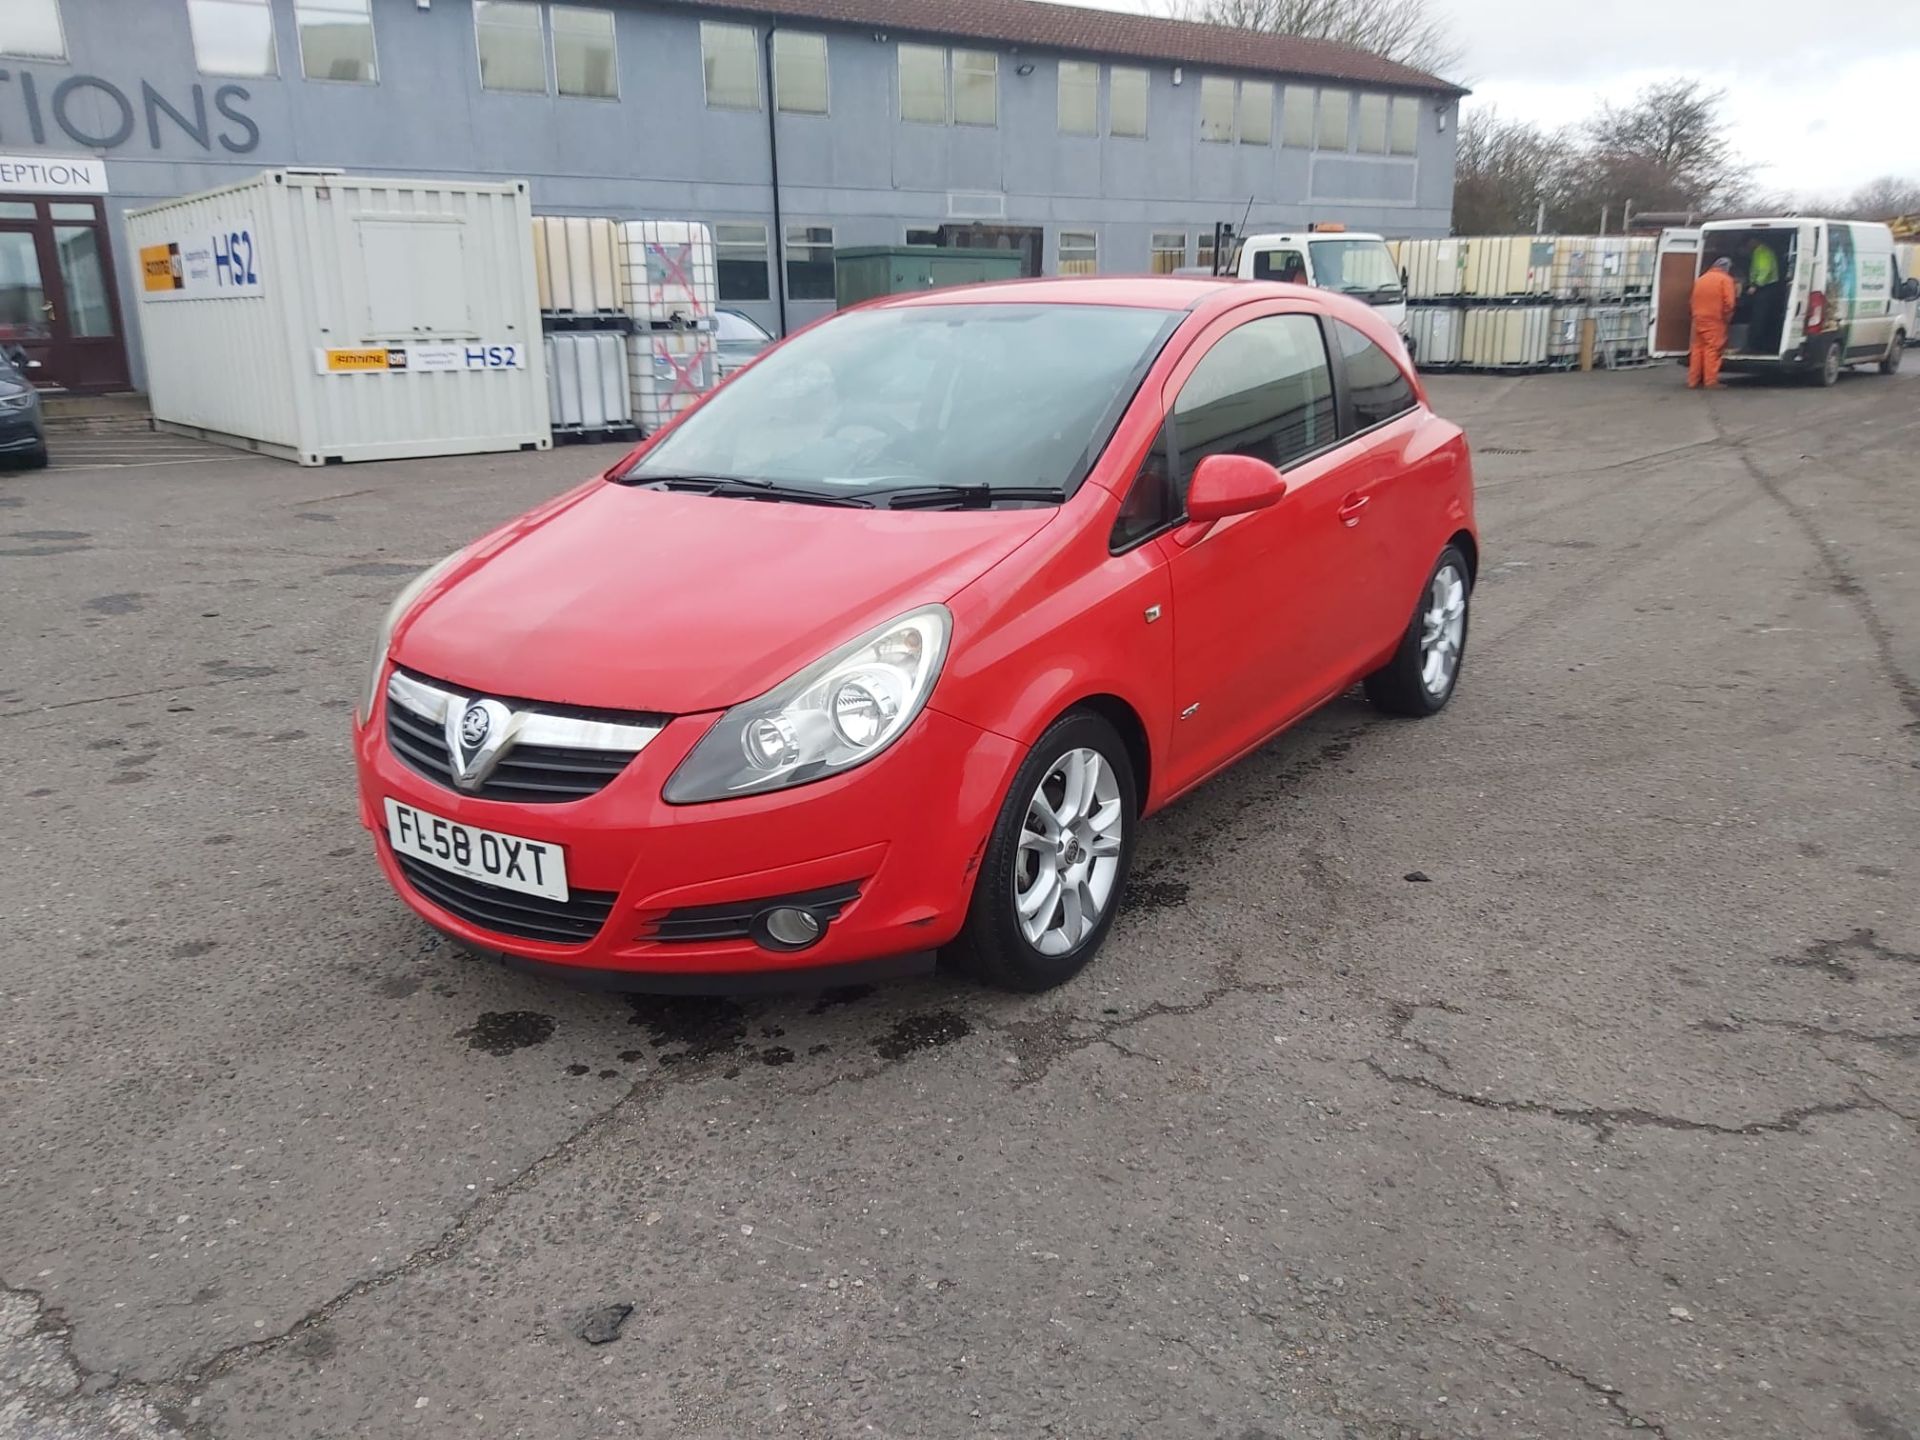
{"points": [[1395, 484], [1261, 603]]}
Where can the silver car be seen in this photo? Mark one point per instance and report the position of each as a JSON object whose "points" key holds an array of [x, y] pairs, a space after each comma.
{"points": [[737, 339], [23, 433]]}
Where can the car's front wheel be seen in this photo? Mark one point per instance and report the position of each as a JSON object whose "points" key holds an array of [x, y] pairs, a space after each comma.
{"points": [[1890, 363], [1420, 677], [1056, 862]]}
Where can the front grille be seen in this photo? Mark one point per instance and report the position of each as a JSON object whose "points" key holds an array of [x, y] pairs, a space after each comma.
{"points": [[573, 921], [526, 774], [734, 920]]}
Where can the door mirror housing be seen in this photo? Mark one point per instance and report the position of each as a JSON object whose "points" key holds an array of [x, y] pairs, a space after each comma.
{"points": [[1225, 485], [1910, 290]]}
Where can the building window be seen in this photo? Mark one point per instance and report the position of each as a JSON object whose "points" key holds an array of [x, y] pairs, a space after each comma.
{"points": [[1079, 97], [976, 87], [31, 30], [1079, 252], [1296, 118], [1169, 251], [740, 256], [513, 52], [1127, 102], [1216, 109], [730, 57], [336, 40], [1333, 119], [809, 262], [1256, 112], [922, 235], [585, 63], [1406, 125], [800, 72], [233, 37], [1370, 125], [923, 84]]}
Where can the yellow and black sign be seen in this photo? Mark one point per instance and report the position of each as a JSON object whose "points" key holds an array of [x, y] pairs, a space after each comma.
{"points": [[160, 269], [361, 361]]}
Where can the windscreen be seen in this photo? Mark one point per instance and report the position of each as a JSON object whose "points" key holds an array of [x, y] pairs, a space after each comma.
{"points": [[1356, 267], [999, 395]]}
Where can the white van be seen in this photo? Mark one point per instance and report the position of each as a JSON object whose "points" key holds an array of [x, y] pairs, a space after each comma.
{"points": [[1344, 260], [1839, 299]]}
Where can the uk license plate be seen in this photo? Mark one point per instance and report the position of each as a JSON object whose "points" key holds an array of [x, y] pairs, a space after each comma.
{"points": [[513, 862]]}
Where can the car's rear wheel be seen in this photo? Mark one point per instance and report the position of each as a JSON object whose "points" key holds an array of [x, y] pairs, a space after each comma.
{"points": [[1828, 374], [1420, 678], [1056, 862]]}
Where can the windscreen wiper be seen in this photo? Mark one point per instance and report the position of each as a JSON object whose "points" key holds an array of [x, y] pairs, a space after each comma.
{"points": [[742, 487], [964, 497]]}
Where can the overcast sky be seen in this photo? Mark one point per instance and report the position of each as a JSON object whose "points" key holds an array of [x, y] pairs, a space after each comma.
{"points": [[1823, 95]]}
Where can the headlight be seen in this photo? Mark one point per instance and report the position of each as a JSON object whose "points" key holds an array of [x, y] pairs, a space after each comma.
{"points": [[830, 717], [15, 399], [401, 604]]}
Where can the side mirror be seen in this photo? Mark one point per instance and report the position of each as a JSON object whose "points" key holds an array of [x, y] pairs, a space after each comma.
{"points": [[1225, 485], [1910, 290]]}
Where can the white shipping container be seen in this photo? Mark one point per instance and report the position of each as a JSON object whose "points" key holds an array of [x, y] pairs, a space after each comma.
{"points": [[574, 265], [670, 371], [1642, 251], [587, 385], [1563, 331], [1435, 332], [1506, 337], [319, 316], [1590, 267], [667, 273], [1507, 266]]}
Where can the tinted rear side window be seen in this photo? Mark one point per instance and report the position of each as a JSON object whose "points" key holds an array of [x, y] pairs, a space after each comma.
{"points": [[1262, 390], [1379, 387]]}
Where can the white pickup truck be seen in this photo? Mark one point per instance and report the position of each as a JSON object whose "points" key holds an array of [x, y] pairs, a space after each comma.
{"points": [[1352, 263]]}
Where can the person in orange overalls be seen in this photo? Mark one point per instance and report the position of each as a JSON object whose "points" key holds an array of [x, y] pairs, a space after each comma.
{"points": [[1714, 296]]}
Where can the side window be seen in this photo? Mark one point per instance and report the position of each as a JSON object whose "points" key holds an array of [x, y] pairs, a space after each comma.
{"points": [[1263, 390], [1378, 385], [1149, 504], [1285, 265]]}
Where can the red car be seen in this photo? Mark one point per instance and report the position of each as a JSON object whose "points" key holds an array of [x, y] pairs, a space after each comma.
{"points": [[888, 646]]}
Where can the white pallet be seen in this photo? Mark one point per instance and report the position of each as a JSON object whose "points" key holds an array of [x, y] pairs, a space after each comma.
{"points": [[668, 273], [587, 380], [669, 371]]}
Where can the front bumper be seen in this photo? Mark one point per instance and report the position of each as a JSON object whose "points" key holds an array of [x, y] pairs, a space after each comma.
{"points": [[20, 430], [906, 829]]}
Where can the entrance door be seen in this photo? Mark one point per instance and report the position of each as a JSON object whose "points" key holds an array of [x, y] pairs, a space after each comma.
{"points": [[57, 300]]}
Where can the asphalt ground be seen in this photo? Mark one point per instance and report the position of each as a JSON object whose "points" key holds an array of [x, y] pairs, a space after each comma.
{"points": [[1610, 1123]]}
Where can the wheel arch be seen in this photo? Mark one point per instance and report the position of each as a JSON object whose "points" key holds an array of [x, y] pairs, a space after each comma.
{"points": [[1132, 730], [1468, 546]]}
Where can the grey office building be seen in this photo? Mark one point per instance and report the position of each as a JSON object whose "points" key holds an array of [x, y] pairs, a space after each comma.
{"points": [[1084, 139]]}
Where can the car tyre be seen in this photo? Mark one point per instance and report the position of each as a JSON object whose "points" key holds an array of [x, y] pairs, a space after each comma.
{"points": [[1071, 814], [36, 458], [1828, 373], [1891, 364], [1425, 668]]}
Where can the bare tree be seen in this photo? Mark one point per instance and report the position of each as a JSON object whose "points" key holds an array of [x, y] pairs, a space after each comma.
{"points": [[1672, 139], [1409, 31], [1887, 198], [1505, 171]]}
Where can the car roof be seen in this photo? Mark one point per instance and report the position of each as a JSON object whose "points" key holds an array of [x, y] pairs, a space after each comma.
{"points": [[1146, 292]]}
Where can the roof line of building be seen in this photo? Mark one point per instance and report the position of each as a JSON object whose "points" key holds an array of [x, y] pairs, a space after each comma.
{"points": [[1108, 33]]}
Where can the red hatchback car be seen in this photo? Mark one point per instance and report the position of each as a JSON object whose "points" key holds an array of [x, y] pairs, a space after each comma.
{"points": [[887, 647]]}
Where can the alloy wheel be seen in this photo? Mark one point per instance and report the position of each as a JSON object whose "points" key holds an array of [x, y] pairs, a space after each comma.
{"points": [[1443, 629], [1069, 856]]}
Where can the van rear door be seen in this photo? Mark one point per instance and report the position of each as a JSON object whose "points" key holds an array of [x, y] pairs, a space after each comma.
{"points": [[1676, 266]]}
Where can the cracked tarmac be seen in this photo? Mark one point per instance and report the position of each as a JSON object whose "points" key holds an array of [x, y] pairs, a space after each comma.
{"points": [[1611, 1125]]}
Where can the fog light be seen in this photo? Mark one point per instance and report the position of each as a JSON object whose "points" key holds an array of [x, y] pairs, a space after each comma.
{"points": [[791, 929]]}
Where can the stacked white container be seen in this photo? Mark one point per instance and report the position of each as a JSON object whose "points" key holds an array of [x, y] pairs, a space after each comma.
{"points": [[587, 383], [669, 371], [1506, 337], [1433, 268], [668, 275], [671, 285], [575, 268], [583, 311], [1435, 332], [1503, 267]]}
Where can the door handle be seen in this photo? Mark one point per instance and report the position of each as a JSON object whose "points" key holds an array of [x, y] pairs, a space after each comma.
{"points": [[1350, 508]]}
